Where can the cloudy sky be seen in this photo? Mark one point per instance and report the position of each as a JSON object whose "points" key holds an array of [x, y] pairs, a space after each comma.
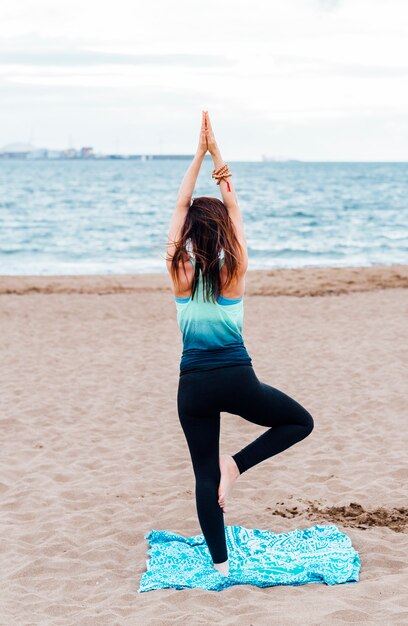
{"points": [[307, 79]]}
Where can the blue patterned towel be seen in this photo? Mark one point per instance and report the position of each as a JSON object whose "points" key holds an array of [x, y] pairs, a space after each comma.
{"points": [[319, 554]]}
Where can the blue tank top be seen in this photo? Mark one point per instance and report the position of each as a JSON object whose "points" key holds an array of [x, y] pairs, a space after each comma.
{"points": [[211, 331]]}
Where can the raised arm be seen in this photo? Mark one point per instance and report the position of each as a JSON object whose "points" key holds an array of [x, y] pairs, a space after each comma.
{"points": [[229, 198], [185, 193], [188, 183]]}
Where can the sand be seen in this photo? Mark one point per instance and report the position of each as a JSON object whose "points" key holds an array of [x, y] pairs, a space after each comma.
{"points": [[93, 456]]}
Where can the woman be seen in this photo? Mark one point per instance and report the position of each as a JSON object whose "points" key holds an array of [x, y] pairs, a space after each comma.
{"points": [[216, 372]]}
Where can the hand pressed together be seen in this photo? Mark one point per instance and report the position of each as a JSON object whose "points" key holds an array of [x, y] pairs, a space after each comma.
{"points": [[207, 140]]}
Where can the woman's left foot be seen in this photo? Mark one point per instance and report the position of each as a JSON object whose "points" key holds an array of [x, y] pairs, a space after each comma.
{"points": [[223, 568], [229, 474]]}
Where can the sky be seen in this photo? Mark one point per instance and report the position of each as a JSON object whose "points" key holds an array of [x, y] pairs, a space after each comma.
{"points": [[301, 79]]}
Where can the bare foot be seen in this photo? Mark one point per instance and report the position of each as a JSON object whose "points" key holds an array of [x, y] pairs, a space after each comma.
{"points": [[229, 474], [223, 568]]}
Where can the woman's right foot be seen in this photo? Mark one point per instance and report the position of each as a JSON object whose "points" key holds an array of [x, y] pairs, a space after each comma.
{"points": [[229, 475]]}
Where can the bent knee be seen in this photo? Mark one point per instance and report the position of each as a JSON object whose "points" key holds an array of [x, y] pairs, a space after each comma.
{"points": [[307, 424]]}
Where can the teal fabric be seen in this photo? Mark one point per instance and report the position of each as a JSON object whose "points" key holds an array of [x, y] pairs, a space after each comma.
{"points": [[211, 331], [318, 554]]}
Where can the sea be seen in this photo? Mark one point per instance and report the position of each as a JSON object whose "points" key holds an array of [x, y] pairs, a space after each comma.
{"points": [[103, 216]]}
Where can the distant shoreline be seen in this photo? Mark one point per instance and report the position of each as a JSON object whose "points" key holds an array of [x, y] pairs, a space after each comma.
{"points": [[94, 157], [156, 157], [62, 155]]}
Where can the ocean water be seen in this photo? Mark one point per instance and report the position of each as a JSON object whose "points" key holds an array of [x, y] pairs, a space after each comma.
{"points": [[102, 216]]}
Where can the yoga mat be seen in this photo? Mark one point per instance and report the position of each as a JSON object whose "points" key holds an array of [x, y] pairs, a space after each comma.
{"points": [[319, 554]]}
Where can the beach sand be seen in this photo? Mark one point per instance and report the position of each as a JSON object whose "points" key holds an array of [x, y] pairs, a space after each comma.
{"points": [[93, 455]]}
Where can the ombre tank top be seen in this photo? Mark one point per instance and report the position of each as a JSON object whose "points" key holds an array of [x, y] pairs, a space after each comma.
{"points": [[211, 331]]}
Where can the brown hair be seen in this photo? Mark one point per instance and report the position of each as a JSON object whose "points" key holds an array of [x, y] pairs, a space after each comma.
{"points": [[208, 228]]}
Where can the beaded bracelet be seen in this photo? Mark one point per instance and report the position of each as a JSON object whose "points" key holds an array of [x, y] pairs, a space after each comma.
{"points": [[221, 174]]}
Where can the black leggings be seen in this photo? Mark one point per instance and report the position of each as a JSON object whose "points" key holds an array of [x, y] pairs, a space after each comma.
{"points": [[234, 389]]}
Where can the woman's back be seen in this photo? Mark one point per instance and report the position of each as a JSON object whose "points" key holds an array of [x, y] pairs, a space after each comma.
{"points": [[212, 331]]}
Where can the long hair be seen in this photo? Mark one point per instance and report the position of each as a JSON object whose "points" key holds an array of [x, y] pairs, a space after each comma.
{"points": [[207, 230]]}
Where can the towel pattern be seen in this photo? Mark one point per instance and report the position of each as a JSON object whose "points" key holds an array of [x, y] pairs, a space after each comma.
{"points": [[319, 554]]}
